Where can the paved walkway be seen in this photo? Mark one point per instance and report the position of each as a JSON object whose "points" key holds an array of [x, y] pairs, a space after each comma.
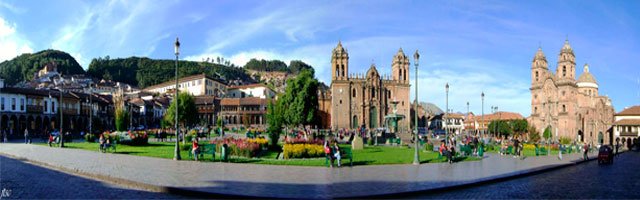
{"points": [[253, 180]]}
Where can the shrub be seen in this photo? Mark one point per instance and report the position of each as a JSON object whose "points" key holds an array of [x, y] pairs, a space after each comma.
{"points": [[428, 146], [90, 137], [565, 140]]}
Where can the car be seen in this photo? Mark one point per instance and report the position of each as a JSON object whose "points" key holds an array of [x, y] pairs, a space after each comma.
{"points": [[605, 154]]}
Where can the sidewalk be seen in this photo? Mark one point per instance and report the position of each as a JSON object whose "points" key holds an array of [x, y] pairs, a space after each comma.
{"points": [[275, 181]]}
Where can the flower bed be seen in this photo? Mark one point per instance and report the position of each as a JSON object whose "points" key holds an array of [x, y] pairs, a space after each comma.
{"points": [[302, 151], [129, 138], [242, 147]]}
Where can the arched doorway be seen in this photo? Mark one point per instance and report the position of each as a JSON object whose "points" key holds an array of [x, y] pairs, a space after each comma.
{"points": [[373, 117], [580, 136], [600, 138], [354, 122]]}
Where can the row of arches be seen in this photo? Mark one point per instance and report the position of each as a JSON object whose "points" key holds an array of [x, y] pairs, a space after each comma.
{"points": [[38, 125]]}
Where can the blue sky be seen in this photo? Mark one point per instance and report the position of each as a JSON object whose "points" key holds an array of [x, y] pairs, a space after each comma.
{"points": [[474, 45]]}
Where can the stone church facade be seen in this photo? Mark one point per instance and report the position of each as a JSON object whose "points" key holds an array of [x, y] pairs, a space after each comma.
{"points": [[571, 107], [365, 99]]}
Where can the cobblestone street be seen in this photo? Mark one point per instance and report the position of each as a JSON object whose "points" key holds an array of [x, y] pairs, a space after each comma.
{"points": [[21, 180], [620, 180]]}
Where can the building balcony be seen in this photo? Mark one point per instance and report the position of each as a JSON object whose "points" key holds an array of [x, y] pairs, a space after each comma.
{"points": [[629, 134], [34, 109]]}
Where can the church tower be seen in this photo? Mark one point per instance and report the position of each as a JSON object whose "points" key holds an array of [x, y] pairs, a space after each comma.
{"points": [[400, 67], [539, 72], [339, 63], [566, 63]]}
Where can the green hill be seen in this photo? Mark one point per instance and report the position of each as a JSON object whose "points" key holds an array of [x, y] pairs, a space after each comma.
{"points": [[24, 66], [144, 72]]}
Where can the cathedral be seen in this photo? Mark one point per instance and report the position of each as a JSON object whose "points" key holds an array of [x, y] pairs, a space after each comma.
{"points": [[365, 99], [569, 107]]}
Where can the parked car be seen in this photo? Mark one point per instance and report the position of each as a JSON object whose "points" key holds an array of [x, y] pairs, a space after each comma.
{"points": [[605, 154]]}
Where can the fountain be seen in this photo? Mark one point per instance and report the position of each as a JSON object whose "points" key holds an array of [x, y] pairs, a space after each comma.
{"points": [[391, 120]]}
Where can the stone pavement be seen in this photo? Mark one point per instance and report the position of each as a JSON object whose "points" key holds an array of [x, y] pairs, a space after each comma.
{"points": [[273, 181]]}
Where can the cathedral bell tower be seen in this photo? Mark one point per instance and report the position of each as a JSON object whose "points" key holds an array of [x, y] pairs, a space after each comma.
{"points": [[566, 63], [339, 63], [539, 67], [400, 67]]}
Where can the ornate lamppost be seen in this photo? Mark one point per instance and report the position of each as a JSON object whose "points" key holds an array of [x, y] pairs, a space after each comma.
{"points": [[416, 156], [482, 126], [176, 155], [446, 114]]}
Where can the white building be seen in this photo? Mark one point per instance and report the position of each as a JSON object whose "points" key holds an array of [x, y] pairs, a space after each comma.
{"points": [[196, 85], [627, 124], [252, 90], [454, 122]]}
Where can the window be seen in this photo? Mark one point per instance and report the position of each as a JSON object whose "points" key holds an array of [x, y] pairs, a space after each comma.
{"points": [[53, 106], [2, 103], [46, 106], [535, 109], [353, 93], [13, 103], [564, 71], [564, 108], [536, 75], [341, 101], [22, 104]]}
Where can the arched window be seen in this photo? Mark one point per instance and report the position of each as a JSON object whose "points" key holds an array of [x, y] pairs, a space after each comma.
{"points": [[353, 93], [343, 71], [535, 109], [373, 92], [536, 75], [400, 74], [564, 108], [564, 71]]}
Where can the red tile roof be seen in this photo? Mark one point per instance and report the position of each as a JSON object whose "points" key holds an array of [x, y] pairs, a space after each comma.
{"points": [[634, 110], [627, 122]]}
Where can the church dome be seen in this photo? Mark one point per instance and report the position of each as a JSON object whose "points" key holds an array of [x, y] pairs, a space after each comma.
{"points": [[587, 79]]}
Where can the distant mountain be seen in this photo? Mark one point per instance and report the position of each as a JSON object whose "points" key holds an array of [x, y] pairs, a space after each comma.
{"points": [[143, 72], [23, 67], [431, 108]]}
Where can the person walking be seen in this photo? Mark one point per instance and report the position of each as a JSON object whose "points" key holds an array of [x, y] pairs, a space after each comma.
{"points": [[516, 144], [336, 153], [585, 149], [560, 152], [27, 140], [195, 148], [617, 145], [327, 152]]}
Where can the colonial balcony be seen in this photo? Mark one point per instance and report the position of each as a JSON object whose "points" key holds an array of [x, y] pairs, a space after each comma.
{"points": [[34, 109], [629, 134]]}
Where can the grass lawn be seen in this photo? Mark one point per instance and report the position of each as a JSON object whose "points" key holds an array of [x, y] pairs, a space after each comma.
{"points": [[370, 155], [532, 152]]}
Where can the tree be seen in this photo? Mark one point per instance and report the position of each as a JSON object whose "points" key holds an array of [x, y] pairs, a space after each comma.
{"points": [[534, 136], [121, 115], [275, 121], [519, 126], [301, 99], [547, 133], [187, 109]]}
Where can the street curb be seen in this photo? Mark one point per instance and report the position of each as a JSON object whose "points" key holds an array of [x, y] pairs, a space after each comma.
{"points": [[134, 184], [478, 182], [202, 194]]}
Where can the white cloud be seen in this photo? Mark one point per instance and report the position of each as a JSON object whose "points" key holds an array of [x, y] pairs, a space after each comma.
{"points": [[12, 43]]}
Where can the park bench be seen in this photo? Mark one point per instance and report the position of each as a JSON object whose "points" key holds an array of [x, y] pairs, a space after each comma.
{"points": [[111, 147], [205, 150], [344, 155], [466, 150], [510, 150], [541, 151]]}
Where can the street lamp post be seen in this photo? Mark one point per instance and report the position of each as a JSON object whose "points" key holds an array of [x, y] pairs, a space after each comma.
{"points": [[446, 114], [61, 116], [176, 156], [482, 126], [467, 116], [416, 157], [91, 108]]}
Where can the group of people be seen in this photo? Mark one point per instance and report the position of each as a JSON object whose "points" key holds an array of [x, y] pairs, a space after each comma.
{"points": [[105, 142], [332, 152], [448, 151], [514, 142]]}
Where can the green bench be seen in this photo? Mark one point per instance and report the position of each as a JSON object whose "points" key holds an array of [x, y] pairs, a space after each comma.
{"points": [[344, 155], [111, 147], [510, 150], [541, 151], [466, 150], [206, 150]]}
